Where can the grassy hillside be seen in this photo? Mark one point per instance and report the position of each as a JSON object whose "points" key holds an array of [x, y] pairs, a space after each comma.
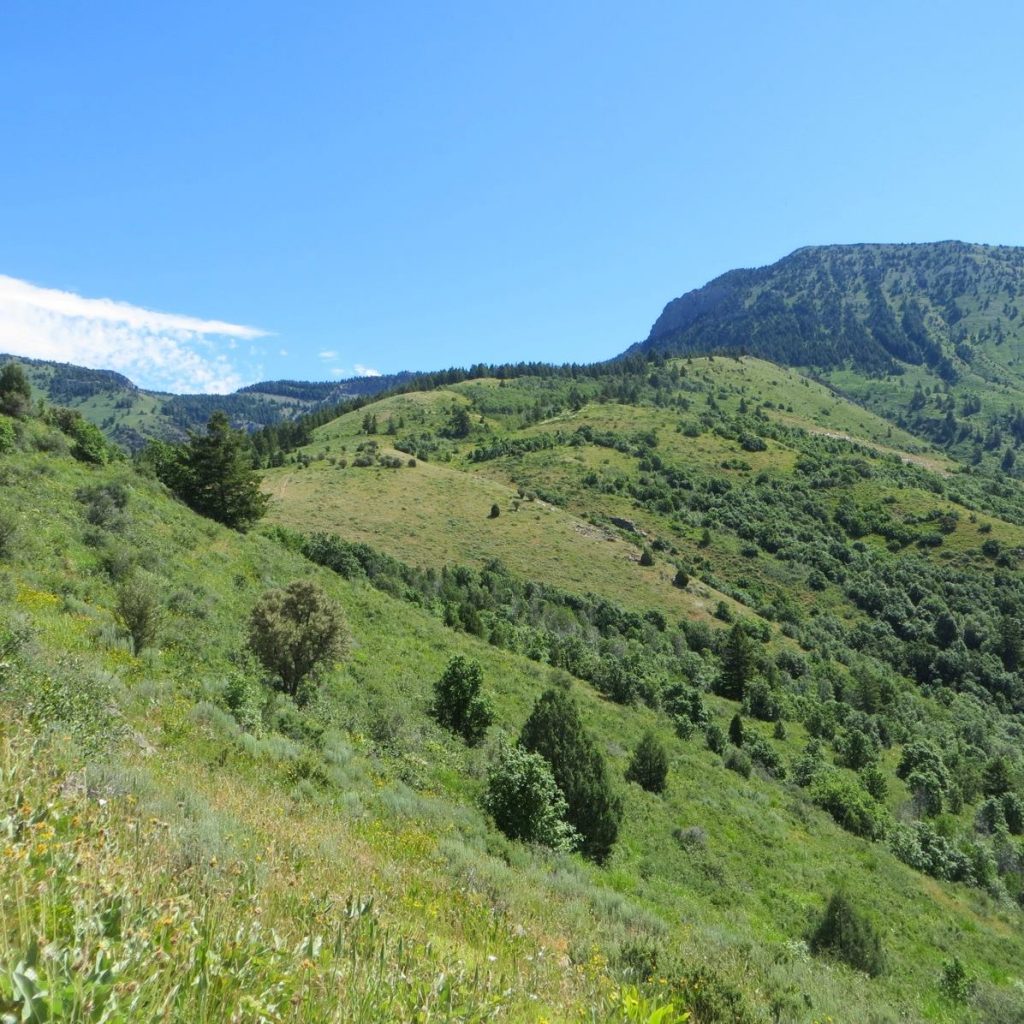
{"points": [[929, 335], [183, 842], [743, 474]]}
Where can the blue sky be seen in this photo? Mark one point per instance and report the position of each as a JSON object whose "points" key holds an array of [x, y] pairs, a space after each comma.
{"points": [[408, 186]]}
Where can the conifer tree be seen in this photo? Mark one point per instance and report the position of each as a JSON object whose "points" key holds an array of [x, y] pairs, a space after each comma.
{"points": [[737, 664], [736, 731], [214, 476], [848, 935], [555, 731], [649, 764], [458, 703], [15, 390]]}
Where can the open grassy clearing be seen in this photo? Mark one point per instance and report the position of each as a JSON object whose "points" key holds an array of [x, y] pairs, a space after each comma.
{"points": [[434, 515]]}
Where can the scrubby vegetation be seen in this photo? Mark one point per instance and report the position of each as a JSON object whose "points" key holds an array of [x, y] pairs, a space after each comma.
{"points": [[459, 704], [610, 759], [295, 631]]}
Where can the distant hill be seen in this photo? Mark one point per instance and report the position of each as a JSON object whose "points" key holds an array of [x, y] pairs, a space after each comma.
{"points": [[130, 414], [930, 335]]}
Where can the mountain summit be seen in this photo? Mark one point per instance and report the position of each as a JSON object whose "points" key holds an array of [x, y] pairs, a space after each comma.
{"points": [[873, 307]]}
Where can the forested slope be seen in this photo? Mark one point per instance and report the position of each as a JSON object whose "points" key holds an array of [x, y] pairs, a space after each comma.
{"points": [[929, 335]]}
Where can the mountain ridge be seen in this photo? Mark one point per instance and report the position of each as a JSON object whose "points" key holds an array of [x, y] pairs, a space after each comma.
{"points": [[725, 294], [131, 414], [929, 335]]}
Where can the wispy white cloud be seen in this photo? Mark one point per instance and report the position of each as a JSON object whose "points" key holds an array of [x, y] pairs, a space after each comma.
{"points": [[328, 355], [358, 370], [163, 351]]}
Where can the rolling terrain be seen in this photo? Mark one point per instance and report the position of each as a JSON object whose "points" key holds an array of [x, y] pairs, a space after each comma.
{"points": [[846, 544], [131, 415], [813, 606], [928, 335]]}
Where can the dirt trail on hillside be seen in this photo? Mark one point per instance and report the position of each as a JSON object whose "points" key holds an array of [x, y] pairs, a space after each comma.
{"points": [[924, 461]]}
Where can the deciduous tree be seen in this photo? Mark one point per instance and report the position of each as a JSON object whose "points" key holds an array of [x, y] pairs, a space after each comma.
{"points": [[295, 631]]}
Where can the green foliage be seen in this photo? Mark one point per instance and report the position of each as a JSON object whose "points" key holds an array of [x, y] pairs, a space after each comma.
{"points": [[555, 731], [213, 474], [956, 984], [809, 764], [920, 846], [715, 738], [646, 557], [762, 753], [1013, 812], [524, 800], [9, 528], [296, 631], [921, 756], [245, 699], [927, 790], [648, 767], [857, 750], [738, 761], [139, 611], [70, 700], [8, 435], [874, 781], [87, 441], [849, 804], [761, 701], [736, 731], [995, 780], [495, 511], [105, 504], [738, 662], [848, 935], [516, 615], [458, 703], [458, 423], [347, 789], [15, 391]]}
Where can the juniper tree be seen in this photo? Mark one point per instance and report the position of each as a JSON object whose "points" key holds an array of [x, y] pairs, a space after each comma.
{"points": [[736, 731], [458, 703], [649, 765], [15, 390], [555, 731], [846, 934]]}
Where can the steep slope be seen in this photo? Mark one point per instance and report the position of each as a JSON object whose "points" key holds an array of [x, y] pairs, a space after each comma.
{"points": [[183, 843], [878, 574], [930, 335]]}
